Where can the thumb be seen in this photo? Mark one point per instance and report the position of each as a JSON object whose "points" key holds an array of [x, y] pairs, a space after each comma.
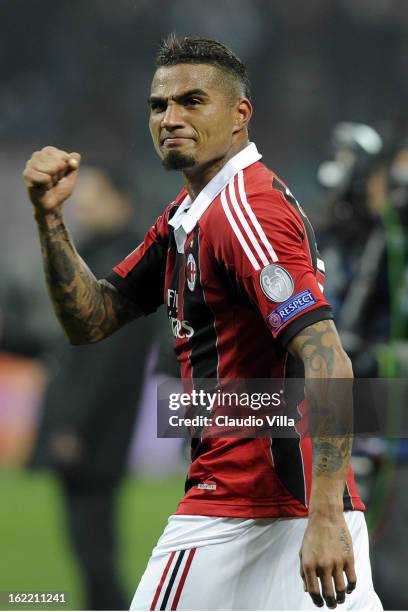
{"points": [[74, 161]]}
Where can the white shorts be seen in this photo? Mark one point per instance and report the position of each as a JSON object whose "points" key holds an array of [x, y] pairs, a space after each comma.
{"points": [[210, 563]]}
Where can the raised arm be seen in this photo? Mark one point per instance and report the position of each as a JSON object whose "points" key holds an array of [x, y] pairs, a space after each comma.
{"points": [[327, 549], [88, 309]]}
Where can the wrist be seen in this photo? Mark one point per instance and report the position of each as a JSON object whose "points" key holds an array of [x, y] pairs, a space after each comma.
{"points": [[327, 508], [48, 219]]}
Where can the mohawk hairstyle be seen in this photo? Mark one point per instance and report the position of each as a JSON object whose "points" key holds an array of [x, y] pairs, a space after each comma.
{"points": [[186, 50]]}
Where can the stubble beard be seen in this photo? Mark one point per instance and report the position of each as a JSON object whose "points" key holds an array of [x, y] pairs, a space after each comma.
{"points": [[175, 160]]}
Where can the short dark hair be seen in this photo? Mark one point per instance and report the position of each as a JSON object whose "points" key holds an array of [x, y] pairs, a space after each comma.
{"points": [[186, 50]]}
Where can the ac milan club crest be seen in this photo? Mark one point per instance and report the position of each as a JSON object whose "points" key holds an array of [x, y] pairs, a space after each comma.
{"points": [[191, 272]]}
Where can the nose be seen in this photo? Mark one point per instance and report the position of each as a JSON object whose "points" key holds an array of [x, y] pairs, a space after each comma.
{"points": [[172, 118]]}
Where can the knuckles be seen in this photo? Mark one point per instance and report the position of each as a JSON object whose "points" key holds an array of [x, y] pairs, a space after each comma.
{"points": [[47, 163], [50, 149], [322, 565], [325, 566]]}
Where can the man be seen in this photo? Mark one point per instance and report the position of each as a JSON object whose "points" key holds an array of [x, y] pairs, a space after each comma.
{"points": [[241, 231]]}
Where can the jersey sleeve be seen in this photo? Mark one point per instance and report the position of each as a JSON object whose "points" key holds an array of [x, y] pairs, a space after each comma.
{"points": [[273, 255], [140, 276]]}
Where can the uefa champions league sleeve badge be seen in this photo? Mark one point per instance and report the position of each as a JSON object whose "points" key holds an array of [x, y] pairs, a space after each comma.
{"points": [[276, 283]]}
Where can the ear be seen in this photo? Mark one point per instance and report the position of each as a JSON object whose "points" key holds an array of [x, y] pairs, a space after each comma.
{"points": [[243, 114]]}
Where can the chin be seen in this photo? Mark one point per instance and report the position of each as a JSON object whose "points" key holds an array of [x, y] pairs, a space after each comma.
{"points": [[174, 160]]}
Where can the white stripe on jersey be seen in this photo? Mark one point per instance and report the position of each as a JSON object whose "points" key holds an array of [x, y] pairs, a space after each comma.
{"points": [[245, 224], [320, 265], [253, 218], [238, 233]]}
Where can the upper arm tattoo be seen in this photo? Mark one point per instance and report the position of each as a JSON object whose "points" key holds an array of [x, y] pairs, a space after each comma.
{"points": [[119, 309], [319, 347]]}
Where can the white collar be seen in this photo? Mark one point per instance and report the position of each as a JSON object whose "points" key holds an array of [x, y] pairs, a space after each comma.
{"points": [[188, 213]]}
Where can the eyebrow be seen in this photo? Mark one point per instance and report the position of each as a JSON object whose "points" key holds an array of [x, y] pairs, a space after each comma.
{"points": [[181, 97]]}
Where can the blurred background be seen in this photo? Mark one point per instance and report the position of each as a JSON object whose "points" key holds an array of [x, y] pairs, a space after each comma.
{"points": [[85, 486]]}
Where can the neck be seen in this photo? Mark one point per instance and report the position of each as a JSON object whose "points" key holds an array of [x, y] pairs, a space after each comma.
{"points": [[197, 178]]}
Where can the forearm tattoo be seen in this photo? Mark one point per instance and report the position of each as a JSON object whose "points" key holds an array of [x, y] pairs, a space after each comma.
{"points": [[88, 309], [329, 398], [331, 455], [345, 541]]}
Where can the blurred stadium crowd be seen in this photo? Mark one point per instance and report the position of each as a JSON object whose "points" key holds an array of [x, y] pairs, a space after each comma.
{"points": [[331, 94]]}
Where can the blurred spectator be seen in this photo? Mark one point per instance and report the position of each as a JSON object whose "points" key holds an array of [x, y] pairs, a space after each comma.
{"points": [[365, 247], [91, 403]]}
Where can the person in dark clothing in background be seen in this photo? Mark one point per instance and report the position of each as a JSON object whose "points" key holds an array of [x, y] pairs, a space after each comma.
{"points": [[91, 403], [365, 248]]}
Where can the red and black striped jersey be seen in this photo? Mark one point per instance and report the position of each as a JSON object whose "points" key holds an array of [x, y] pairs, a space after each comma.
{"points": [[240, 275]]}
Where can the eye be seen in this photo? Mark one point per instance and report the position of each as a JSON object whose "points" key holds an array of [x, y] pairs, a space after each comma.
{"points": [[158, 107], [193, 101]]}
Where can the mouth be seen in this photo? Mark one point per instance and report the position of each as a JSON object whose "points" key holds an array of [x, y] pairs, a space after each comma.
{"points": [[174, 141]]}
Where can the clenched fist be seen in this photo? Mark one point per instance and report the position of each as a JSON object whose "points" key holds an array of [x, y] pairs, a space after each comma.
{"points": [[50, 176]]}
